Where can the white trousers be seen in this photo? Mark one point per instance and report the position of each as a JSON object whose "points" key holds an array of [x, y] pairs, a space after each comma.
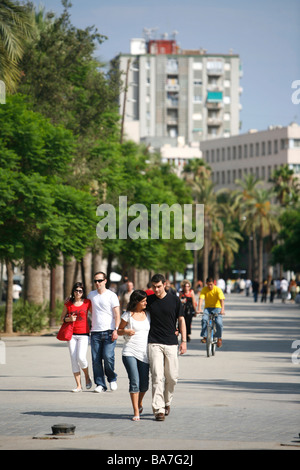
{"points": [[78, 347], [164, 371]]}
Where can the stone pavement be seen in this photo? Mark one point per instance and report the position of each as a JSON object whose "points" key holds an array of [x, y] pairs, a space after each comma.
{"points": [[246, 397]]}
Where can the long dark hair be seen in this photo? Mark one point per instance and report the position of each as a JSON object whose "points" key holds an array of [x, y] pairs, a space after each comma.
{"points": [[77, 284], [135, 298]]}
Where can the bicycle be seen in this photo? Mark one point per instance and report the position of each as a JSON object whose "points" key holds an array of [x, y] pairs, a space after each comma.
{"points": [[211, 341]]}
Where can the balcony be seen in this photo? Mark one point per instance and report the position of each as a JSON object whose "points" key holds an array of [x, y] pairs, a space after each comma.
{"points": [[214, 122], [215, 71], [172, 87]]}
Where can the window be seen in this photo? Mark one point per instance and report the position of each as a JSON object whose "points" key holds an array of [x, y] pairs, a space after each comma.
{"points": [[257, 149], [223, 154], [240, 151], [197, 99], [251, 150], [245, 151], [263, 175], [234, 153], [269, 147], [275, 146], [228, 153], [228, 176], [207, 155], [197, 65], [263, 148]]}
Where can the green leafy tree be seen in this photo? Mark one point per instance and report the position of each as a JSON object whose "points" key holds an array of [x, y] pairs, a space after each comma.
{"points": [[40, 215]]}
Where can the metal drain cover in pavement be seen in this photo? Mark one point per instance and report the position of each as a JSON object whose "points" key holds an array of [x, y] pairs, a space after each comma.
{"points": [[63, 429]]}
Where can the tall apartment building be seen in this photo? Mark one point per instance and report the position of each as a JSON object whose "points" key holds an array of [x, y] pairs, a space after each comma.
{"points": [[257, 153], [178, 96]]}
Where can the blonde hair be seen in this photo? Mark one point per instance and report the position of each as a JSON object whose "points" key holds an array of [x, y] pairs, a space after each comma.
{"points": [[185, 281]]}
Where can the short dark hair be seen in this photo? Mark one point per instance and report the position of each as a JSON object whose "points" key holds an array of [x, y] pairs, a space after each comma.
{"points": [[100, 272], [210, 279], [135, 298], [158, 278]]}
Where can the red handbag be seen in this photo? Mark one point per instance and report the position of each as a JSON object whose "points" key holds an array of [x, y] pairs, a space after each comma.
{"points": [[66, 331]]}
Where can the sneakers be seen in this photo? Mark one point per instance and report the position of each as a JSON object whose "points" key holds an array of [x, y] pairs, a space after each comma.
{"points": [[100, 389], [113, 386], [203, 340], [219, 343]]}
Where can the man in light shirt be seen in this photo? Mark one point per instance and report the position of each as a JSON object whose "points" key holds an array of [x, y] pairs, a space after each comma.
{"points": [[105, 322], [214, 303]]}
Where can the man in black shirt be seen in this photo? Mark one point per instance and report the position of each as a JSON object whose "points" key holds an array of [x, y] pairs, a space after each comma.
{"points": [[165, 310]]}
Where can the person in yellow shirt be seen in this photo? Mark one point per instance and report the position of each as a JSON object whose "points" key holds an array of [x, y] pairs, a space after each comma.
{"points": [[213, 298]]}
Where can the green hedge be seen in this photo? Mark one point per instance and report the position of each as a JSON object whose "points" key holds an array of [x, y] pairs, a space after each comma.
{"points": [[30, 318]]}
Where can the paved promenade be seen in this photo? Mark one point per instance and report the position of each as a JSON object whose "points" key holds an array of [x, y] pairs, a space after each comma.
{"points": [[246, 397]]}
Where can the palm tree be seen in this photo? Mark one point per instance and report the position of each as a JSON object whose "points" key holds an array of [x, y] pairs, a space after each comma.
{"points": [[263, 218], [286, 185], [242, 198], [203, 193], [16, 24], [224, 244]]}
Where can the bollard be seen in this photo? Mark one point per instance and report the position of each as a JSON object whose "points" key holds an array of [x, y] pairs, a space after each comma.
{"points": [[63, 429]]}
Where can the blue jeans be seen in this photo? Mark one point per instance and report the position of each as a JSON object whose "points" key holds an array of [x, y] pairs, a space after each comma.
{"points": [[138, 374], [103, 356], [219, 321]]}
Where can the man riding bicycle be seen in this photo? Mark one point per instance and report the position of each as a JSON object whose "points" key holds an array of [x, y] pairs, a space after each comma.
{"points": [[214, 303]]}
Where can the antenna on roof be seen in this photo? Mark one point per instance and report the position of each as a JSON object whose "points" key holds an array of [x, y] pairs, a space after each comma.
{"points": [[148, 33]]}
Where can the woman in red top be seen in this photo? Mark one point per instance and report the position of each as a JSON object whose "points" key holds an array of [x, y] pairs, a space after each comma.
{"points": [[189, 303], [76, 310]]}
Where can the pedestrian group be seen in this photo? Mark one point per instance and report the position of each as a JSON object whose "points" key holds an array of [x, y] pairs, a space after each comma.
{"points": [[150, 322]]}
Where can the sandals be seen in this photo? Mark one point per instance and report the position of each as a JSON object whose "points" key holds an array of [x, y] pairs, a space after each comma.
{"points": [[136, 418]]}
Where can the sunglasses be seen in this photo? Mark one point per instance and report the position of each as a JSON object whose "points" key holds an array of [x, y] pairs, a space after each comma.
{"points": [[98, 280], [79, 291]]}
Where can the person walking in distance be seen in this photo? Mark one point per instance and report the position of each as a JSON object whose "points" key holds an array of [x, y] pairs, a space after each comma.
{"points": [[187, 298], [165, 311], [105, 322], [214, 303]]}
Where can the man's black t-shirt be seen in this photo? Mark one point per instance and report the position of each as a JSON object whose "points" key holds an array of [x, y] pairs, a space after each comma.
{"points": [[164, 314]]}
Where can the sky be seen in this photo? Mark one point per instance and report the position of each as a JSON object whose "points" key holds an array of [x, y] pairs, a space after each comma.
{"points": [[264, 33]]}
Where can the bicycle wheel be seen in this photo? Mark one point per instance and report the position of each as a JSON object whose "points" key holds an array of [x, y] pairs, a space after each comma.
{"points": [[209, 344]]}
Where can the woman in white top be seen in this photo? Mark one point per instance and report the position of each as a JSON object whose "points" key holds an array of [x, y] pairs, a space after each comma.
{"points": [[135, 326]]}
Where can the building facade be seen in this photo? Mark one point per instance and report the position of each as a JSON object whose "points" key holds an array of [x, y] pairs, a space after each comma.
{"points": [[178, 95], [257, 153]]}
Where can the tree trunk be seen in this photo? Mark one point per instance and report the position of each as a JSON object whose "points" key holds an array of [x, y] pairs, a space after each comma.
{"points": [[206, 248], [9, 298], [69, 272], [52, 319], [260, 260], [250, 270], [255, 259], [34, 285]]}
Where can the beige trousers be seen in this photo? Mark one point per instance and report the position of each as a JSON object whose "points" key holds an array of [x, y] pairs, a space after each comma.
{"points": [[164, 371]]}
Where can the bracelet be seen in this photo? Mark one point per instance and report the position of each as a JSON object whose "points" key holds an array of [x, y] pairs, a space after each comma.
{"points": [[183, 340]]}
